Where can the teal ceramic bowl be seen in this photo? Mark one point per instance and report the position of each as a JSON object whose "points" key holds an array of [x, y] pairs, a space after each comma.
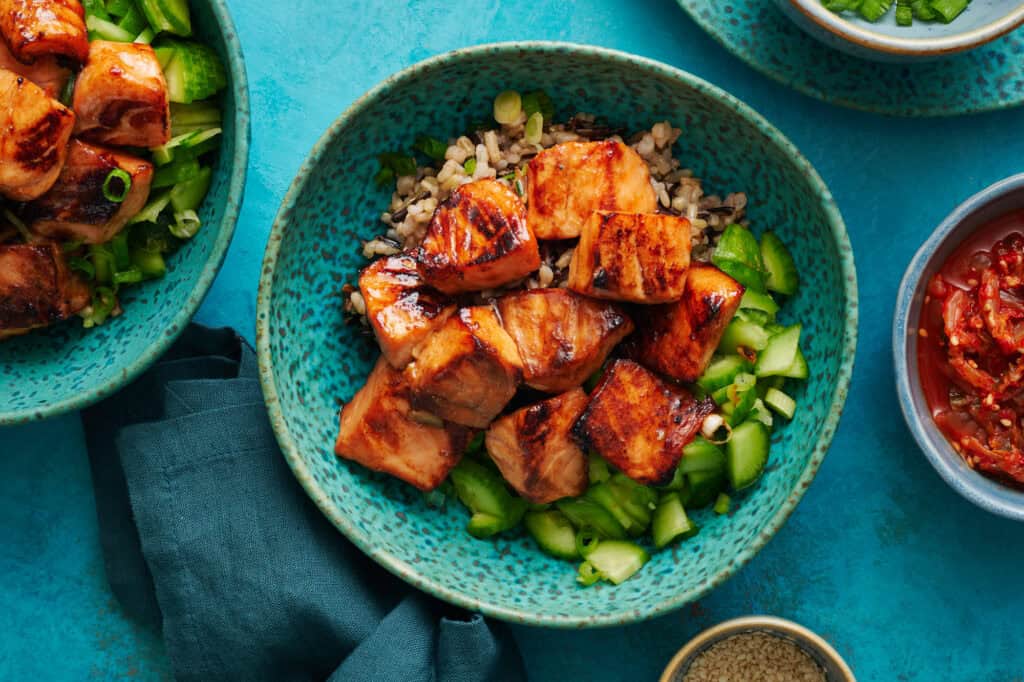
{"points": [[65, 367], [982, 22], [311, 360]]}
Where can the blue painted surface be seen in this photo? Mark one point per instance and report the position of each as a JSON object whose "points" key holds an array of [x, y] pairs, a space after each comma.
{"points": [[909, 581]]}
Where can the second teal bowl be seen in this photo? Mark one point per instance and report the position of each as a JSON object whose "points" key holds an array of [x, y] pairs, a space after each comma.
{"points": [[311, 360]]}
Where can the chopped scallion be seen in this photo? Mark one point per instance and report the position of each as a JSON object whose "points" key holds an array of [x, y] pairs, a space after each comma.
{"points": [[508, 106], [130, 276], [534, 128], [117, 185], [186, 224], [470, 166]]}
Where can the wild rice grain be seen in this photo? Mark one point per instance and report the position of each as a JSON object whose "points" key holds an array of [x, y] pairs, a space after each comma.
{"points": [[754, 656]]}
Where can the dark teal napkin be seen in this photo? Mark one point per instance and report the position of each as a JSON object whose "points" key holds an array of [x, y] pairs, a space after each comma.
{"points": [[206, 532]]}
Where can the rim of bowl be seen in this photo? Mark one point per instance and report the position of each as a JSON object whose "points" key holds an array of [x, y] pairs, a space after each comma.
{"points": [[767, 624], [403, 569], [233, 204], [975, 487], [888, 44]]}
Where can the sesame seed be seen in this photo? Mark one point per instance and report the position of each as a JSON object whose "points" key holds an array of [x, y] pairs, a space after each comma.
{"points": [[754, 656], [923, 333]]}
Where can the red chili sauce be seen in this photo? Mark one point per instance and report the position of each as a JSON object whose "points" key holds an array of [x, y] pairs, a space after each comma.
{"points": [[971, 349]]}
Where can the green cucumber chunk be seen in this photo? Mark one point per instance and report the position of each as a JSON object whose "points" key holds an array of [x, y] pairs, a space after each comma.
{"points": [[617, 560], [762, 414], [746, 454], [738, 245], [704, 487], [484, 493], [188, 195], [722, 371], [605, 495], [742, 273], [637, 500], [701, 455], [756, 300], [780, 402], [584, 513], [553, 533], [743, 334], [778, 262], [167, 15], [597, 468], [722, 504], [799, 369], [670, 521], [780, 354]]}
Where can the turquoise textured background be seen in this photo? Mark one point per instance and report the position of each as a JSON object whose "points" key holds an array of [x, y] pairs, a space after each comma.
{"points": [[906, 579]]}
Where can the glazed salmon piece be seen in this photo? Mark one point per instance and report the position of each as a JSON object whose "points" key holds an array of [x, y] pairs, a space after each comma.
{"points": [[401, 308], [75, 208], [121, 97], [535, 451], [36, 288], [382, 432], [41, 28], [642, 258], [640, 423], [466, 371], [34, 144], [678, 339], [568, 182], [478, 239], [562, 337], [46, 72]]}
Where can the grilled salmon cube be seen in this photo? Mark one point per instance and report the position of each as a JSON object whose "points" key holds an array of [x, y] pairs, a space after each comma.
{"points": [[402, 310], [468, 370], [678, 339], [640, 423], [36, 129], [642, 258], [36, 288], [478, 239], [40, 28], [568, 182], [382, 432], [121, 97], [46, 72], [75, 207], [561, 336], [535, 451]]}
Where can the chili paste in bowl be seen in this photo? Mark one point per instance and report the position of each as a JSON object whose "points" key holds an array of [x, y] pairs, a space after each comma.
{"points": [[959, 348]]}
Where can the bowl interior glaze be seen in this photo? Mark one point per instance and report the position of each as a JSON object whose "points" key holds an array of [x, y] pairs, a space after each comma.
{"points": [[987, 205], [66, 367], [311, 360]]}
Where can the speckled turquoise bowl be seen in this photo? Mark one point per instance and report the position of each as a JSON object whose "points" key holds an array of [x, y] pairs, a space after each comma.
{"points": [[983, 21], [66, 367], [311, 361]]}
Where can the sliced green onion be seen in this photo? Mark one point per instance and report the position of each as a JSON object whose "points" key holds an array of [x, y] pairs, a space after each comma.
{"points": [[103, 303], [534, 128], [508, 106], [470, 166], [587, 540], [588, 575], [519, 187], [130, 276], [186, 224], [151, 211], [431, 146], [108, 185], [722, 504]]}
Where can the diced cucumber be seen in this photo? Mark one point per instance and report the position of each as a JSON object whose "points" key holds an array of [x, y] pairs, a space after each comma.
{"points": [[744, 274], [702, 455], [553, 533], [780, 402], [187, 118], [604, 495], [782, 274], [738, 244], [95, 8], [780, 354], [483, 526], [799, 369], [617, 560], [746, 454], [150, 263], [637, 500], [678, 482], [722, 371], [756, 300], [484, 493], [133, 21], [761, 414], [742, 333], [164, 54], [670, 521], [102, 29], [194, 72], [120, 8], [167, 15], [721, 395], [151, 211], [584, 513], [188, 195], [704, 487], [146, 37], [182, 170]]}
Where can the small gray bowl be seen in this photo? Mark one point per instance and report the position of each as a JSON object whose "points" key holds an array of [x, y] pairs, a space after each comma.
{"points": [[983, 21], [999, 199], [836, 669]]}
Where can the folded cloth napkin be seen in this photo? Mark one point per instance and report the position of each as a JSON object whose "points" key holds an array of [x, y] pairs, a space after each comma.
{"points": [[206, 533]]}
